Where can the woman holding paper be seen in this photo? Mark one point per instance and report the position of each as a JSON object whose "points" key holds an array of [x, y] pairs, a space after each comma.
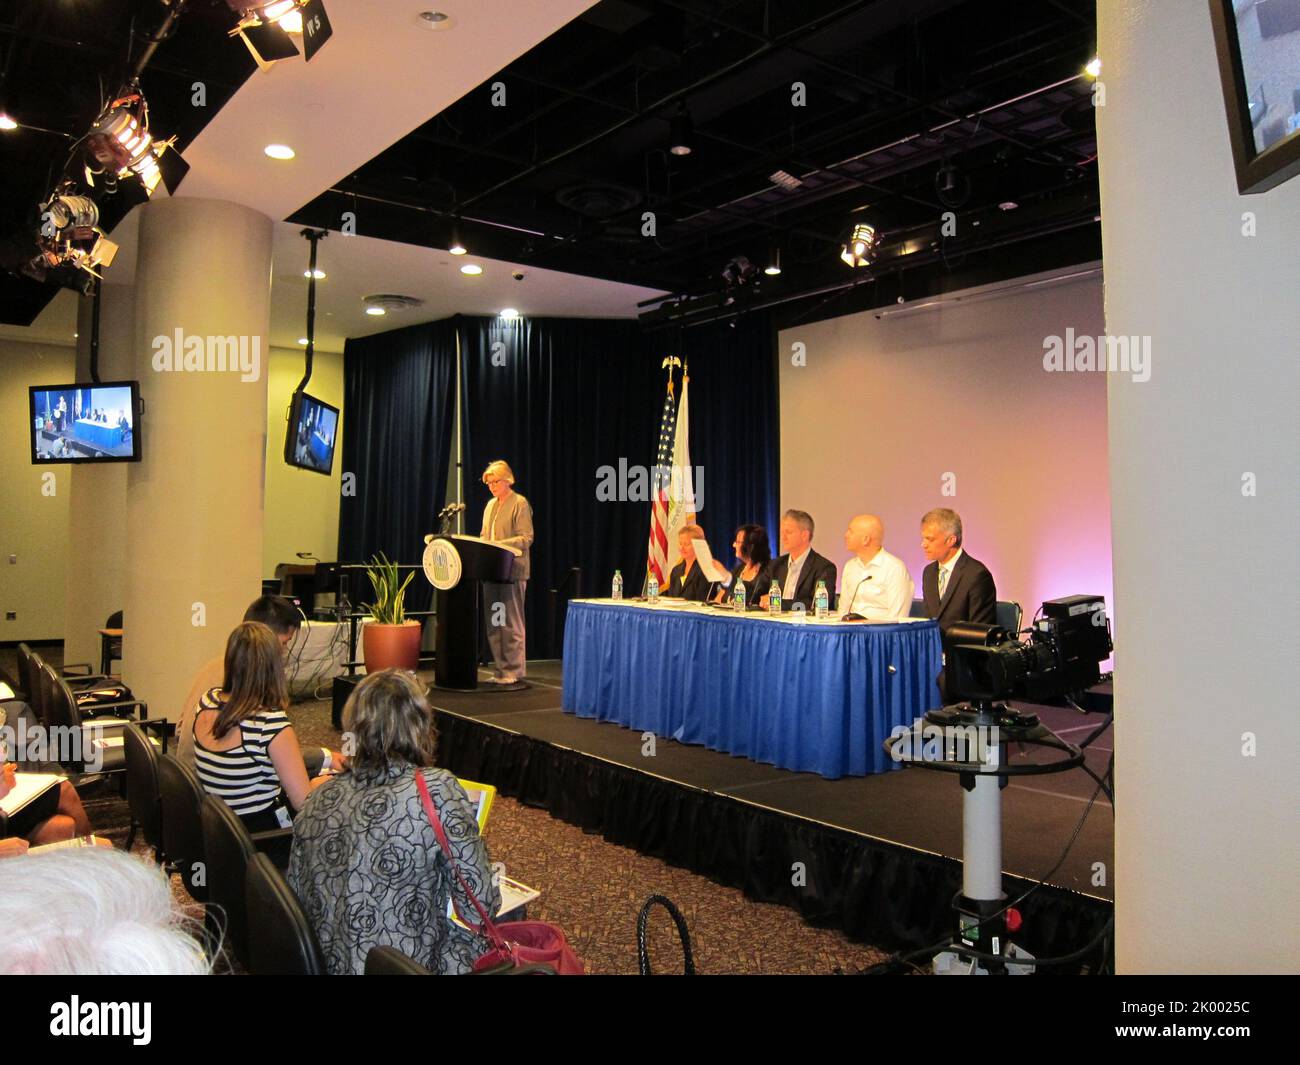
{"points": [[688, 579], [366, 861], [754, 552]]}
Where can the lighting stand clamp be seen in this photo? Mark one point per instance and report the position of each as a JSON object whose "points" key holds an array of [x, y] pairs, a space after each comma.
{"points": [[972, 740]]}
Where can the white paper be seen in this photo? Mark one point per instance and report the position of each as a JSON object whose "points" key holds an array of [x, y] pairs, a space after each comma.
{"points": [[27, 786], [712, 569]]}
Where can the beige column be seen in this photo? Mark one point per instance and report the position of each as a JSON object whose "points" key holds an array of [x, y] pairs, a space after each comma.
{"points": [[97, 498], [194, 504], [1204, 511]]}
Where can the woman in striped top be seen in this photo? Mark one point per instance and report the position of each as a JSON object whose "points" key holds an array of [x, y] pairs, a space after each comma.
{"points": [[245, 750]]}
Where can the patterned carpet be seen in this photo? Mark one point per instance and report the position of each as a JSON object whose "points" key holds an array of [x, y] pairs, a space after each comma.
{"points": [[594, 889]]}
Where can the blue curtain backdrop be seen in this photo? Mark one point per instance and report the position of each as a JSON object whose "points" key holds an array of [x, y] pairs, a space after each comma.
{"points": [[558, 399], [398, 413]]}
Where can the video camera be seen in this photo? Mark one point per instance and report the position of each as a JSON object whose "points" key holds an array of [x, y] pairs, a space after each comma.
{"points": [[1062, 656]]}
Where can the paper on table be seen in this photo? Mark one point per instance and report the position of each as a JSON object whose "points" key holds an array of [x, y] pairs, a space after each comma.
{"points": [[708, 565]]}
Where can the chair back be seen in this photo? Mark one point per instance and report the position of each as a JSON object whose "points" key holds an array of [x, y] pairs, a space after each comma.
{"points": [[57, 709], [281, 941], [389, 961], [1008, 615], [142, 793], [114, 620], [182, 831], [227, 850], [25, 677]]}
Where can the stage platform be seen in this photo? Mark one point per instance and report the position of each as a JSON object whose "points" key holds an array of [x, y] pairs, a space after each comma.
{"points": [[877, 856]]}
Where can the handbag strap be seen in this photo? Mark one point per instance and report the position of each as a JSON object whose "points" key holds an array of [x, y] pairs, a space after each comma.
{"points": [[643, 919], [487, 927]]}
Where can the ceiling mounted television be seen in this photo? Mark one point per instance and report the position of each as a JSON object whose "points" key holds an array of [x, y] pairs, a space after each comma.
{"points": [[1258, 44], [83, 423], [313, 429]]}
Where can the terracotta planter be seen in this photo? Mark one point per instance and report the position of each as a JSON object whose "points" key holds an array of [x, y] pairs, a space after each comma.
{"points": [[391, 646]]}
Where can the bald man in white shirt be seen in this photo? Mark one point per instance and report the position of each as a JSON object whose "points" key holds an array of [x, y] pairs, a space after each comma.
{"points": [[875, 584]]}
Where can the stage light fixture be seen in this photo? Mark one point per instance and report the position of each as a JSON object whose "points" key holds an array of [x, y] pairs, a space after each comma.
{"points": [[471, 269], [70, 235], [1093, 69], [773, 267], [7, 123], [509, 312], [265, 28], [856, 250], [679, 132], [120, 142]]}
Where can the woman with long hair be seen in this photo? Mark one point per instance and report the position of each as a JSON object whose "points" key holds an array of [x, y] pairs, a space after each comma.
{"points": [[754, 554], [245, 750]]}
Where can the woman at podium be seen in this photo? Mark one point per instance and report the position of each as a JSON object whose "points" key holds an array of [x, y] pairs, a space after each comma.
{"points": [[508, 519]]}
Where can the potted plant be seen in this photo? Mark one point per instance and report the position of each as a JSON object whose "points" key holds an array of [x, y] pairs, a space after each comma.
{"points": [[390, 640]]}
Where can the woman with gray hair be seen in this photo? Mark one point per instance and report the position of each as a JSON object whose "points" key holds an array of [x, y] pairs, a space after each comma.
{"points": [[508, 520], [366, 863]]}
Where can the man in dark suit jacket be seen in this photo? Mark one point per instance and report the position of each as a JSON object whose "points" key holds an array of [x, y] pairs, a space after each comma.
{"points": [[809, 566], [956, 587]]}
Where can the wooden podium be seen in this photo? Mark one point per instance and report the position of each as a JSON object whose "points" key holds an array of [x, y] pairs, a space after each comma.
{"points": [[457, 566]]}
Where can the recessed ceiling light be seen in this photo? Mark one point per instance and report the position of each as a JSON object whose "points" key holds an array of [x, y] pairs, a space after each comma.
{"points": [[6, 122], [302, 341], [436, 20], [1008, 205], [457, 248], [1093, 69], [472, 269], [376, 311], [320, 275], [279, 151], [509, 312]]}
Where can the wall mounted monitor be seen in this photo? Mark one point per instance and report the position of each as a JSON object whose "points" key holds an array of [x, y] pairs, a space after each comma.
{"points": [[85, 422], [313, 430]]}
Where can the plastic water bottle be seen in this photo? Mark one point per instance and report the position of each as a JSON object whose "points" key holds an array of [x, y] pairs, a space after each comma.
{"points": [[618, 585], [821, 601], [738, 596], [774, 599], [652, 589]]}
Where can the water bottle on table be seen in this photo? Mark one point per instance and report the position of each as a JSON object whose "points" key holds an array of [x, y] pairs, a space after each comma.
{"points": [[618, 585], [738, 597], [652, 589], [774, 599], [821, 600]]}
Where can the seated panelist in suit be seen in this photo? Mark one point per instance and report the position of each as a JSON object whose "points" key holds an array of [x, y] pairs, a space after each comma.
{"points": [[956, 587], [755, 555], [687, 580], [800, 568]]}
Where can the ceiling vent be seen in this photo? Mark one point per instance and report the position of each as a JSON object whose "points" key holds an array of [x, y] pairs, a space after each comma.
{"points": [[391, 301], [598, 199]]}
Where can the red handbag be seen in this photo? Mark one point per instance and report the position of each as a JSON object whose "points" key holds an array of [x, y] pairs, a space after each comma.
{"points": [[517, 943]]}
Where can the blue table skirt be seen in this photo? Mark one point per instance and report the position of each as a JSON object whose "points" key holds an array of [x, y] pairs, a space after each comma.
{"points": [[319, 450], [814, 698], [97, 433]]}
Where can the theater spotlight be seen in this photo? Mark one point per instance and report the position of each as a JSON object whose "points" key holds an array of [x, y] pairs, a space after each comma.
{"points": [[857, 249], [120, 142], [265, 28], [70, 234]]}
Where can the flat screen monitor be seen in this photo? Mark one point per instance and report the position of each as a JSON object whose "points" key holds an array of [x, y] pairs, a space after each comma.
{"points": [[85, 422], [313, 429]]}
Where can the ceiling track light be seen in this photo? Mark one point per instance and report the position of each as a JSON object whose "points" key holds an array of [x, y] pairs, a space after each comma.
{"points": [[861, 242], [70, 234], [120, 142], [455, 247], [773, 267], [679, 132]]}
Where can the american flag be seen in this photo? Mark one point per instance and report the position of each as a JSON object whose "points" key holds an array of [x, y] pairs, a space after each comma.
{"points": [[674, 490]]}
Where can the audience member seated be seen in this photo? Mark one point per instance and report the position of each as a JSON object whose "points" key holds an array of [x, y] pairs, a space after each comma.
{"points": [[36, 825], [93, 911], [246, 751], [687, 580], [366, 863], [800, 568], [282, 618], [875, 584], [755, 555]]}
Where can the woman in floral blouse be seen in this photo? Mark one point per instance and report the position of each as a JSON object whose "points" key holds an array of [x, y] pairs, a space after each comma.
{"points": [[366, 864]]}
